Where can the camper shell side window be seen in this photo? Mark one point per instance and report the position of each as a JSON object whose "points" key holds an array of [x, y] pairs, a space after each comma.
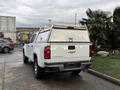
{"points": [[42, 37]]}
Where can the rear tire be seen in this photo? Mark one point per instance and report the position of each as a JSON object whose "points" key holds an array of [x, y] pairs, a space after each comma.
{"points": [[6, 50], [38, 71], [76, 72], [25, 59]]}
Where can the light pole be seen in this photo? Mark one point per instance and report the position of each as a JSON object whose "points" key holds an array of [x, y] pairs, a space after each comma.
{"points": [[75, 19], [50, 22]]}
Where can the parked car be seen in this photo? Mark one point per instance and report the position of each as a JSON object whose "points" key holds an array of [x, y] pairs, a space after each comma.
{"points": [[5, 45], [9, 39], [59, 49]]}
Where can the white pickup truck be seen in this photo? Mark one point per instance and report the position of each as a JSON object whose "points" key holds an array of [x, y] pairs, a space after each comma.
{"points": [[59, 49]]}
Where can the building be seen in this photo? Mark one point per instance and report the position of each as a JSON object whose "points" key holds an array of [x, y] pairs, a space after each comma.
{"points": [[26, 29], [8, 27], [23, 34]]}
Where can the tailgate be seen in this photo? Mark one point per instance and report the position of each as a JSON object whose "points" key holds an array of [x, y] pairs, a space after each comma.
{"points": [[66, 52]]}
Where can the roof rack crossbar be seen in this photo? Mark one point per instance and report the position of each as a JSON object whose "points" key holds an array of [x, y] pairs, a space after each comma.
{"points": [[80, 27]]}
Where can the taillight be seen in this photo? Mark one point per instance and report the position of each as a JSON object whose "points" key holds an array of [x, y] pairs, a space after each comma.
{"points": [[90, 51], [47, 52]]}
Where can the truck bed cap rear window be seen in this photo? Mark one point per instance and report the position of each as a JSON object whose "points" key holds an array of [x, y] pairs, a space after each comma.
{"points": [[66, 35]]}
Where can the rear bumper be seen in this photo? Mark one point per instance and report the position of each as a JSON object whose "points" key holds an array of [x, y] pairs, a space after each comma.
{"points": [[67, 66]]}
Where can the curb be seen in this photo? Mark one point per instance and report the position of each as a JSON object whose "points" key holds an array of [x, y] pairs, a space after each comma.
{"points": [[104, 76]]}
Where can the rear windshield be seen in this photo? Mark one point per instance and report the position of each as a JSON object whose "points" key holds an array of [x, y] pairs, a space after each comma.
{"points": [[66, 35]]}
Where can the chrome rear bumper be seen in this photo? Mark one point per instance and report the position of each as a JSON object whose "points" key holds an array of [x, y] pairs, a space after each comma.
{"points": [[67, 66]]}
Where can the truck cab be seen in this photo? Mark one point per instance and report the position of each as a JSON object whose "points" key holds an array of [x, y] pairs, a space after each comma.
{"points": [[59, 49]]}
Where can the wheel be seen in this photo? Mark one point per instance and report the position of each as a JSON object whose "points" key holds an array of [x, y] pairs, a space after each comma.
{"points": [[6, 50], [38, 71], [76, 72], [25, 59]]}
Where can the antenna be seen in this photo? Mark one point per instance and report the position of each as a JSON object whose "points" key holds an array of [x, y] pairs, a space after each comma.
{"points": [[50, 22], [75, 18]]}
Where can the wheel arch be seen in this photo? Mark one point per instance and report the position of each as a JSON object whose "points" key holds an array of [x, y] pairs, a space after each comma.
{"points": [[23, 51], [34, 56], [5, 47], [39, 61]]}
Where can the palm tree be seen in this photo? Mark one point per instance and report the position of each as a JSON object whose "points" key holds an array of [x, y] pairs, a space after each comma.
{"points": [[98, 23]]}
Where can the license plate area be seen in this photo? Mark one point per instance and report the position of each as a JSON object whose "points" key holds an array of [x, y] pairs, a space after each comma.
{"points": [[72, 65]]}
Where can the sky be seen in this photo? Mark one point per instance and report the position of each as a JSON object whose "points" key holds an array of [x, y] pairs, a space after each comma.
{"points": [[38, 12]]}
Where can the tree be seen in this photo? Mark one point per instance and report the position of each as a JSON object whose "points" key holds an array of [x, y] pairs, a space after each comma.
{"points": [[116, 17], [116, 21], [99, 24]]}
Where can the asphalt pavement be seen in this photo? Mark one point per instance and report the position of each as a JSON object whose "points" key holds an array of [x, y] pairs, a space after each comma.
{"points": [[14, 75]]}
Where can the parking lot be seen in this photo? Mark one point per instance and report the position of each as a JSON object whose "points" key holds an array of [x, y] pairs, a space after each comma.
{"points": [[14, 75]]}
